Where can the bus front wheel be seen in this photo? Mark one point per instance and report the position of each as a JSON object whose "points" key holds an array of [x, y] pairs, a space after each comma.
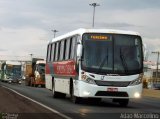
{"points": [[74, 98]]}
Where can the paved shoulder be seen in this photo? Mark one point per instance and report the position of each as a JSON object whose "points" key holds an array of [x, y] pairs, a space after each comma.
{"points": [[12, 103], [151, 93]]}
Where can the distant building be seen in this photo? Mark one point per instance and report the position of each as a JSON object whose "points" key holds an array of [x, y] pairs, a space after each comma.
{"points": [[148, 71], [150, 75]]}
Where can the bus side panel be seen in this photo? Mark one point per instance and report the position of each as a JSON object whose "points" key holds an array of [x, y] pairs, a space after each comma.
{"points": [[64, 71], [48, 76], [65, 68], [48, 82], [62, 85]]}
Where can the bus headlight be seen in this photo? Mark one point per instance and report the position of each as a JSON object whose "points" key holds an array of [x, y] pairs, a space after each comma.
{"points": [[89, 80], [136, 81], [86, 79]]}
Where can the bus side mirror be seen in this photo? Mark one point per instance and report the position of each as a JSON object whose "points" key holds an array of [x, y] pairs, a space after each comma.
{"points": [[79, 51]]}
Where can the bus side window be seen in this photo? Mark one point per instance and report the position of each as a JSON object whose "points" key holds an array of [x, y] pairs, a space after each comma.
{"points": [[73, 47], [70, 48], [52, 55], [57, 46], [48, 53], [67, 49], [62, 50]]}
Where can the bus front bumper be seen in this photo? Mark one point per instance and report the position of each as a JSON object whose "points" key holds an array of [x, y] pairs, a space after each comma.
{"points": [[90, 90]]}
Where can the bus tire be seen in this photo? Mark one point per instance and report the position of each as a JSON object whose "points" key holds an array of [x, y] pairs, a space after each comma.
{"points": [[74, 98], [123, 102], [54, 93]]}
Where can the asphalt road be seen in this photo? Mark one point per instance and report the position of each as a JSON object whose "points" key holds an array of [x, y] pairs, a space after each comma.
{"points": [[143, 107]]}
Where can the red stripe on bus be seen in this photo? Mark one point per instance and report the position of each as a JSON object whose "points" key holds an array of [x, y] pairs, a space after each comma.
{"points": [[64, 68], [47, 69]]}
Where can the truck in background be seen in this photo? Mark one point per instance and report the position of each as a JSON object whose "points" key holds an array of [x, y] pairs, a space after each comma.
{"points": [[11, 72], [35, 72]]}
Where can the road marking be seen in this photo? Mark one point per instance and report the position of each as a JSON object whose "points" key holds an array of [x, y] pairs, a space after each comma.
{"points": [[52, 110]]}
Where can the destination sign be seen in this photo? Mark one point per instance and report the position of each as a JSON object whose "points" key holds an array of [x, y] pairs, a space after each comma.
{"points": [[97, 37]]}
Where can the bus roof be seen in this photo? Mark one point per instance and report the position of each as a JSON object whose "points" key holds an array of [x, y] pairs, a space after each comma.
{"points": [[13, 62], [41, 62], [82, 30]]}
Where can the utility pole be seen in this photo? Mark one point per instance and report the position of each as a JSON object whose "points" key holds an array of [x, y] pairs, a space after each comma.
{"points": [[54, 31], [157, 52], [31, 56], [94, 6]]}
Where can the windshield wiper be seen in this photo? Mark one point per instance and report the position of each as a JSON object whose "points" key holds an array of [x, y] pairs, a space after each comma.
{"points": [[103, 62], [123, 61]]}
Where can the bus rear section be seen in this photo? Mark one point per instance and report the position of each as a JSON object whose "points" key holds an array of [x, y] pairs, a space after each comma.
{"points": [[106, 64]]}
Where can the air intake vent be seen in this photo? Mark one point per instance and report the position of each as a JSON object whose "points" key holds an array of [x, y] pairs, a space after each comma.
{"points": [[113, 83]]}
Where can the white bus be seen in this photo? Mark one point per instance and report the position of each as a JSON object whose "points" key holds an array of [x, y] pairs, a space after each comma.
{"points": [[95, 63]]}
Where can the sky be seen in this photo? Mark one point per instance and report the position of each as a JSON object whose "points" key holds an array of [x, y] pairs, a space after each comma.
{"points": [[25, 25]]}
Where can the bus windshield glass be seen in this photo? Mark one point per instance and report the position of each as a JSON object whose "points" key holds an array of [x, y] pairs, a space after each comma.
{"points": [[13, 70], [112, 54]]}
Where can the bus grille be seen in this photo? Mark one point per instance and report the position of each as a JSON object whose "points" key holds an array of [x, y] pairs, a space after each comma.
{"points": [[114, 94], [112, 83]]}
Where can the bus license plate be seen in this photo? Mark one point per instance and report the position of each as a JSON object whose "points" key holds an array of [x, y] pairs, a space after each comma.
{"points": [[112, 89]]}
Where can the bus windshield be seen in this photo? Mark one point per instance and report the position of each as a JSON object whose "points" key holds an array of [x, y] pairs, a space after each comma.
{"points": [[112, 54], [13, 70]]}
